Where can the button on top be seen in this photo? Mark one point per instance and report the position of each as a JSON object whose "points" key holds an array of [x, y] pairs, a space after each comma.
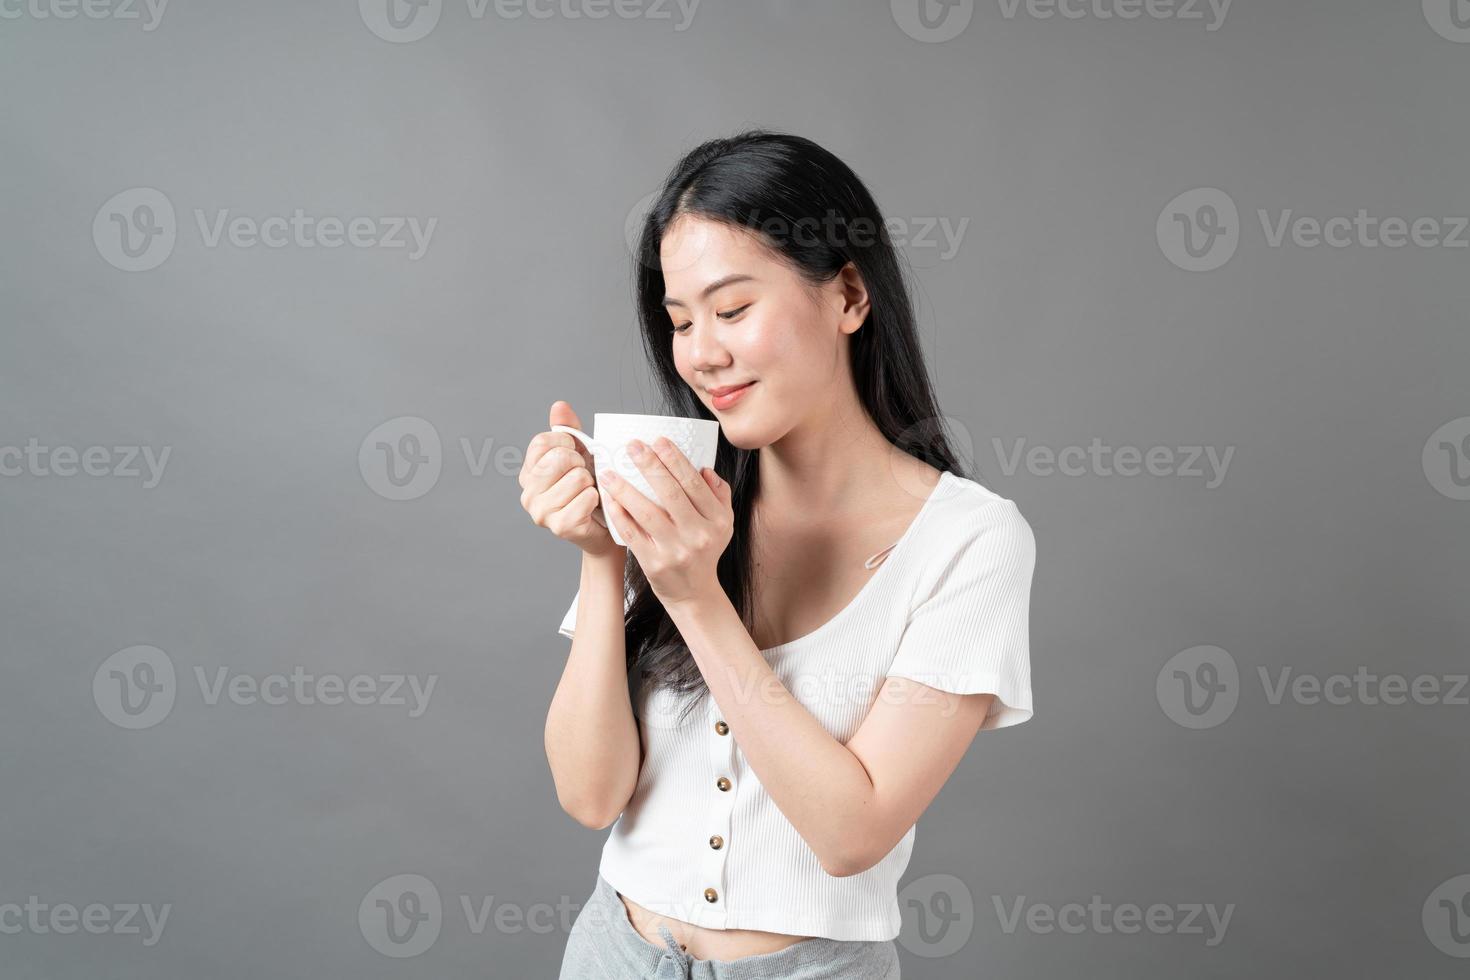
{"points": [[710, 895], [723, 784], [717, 842], [722, 728]]}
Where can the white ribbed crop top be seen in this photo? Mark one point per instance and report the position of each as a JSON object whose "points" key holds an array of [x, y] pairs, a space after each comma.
{"points": [[948, 607]]}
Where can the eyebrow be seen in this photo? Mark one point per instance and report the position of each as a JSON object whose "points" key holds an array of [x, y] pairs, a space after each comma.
{"points": [[712, 287]]}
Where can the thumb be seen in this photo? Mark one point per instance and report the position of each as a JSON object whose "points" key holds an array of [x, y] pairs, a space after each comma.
{"points": [[562, 414]]}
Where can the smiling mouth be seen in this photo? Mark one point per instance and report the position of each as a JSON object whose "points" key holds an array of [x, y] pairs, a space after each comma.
{"points": [[724, 397]]}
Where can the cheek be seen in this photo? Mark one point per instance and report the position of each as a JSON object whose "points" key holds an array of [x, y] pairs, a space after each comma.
{"points": [[766, 345]]}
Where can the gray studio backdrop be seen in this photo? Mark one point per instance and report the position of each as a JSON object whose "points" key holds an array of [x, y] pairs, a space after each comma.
{"points": [[287, 287]]}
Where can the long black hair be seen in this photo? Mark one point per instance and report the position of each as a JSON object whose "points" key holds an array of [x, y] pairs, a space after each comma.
{"points": [[813, 212]]}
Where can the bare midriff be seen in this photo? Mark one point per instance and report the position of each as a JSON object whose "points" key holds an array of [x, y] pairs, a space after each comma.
{"points": [[702, 943]]}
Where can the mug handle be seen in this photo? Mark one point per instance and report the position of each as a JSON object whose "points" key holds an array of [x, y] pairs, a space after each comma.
{"points": [[593, 447]]}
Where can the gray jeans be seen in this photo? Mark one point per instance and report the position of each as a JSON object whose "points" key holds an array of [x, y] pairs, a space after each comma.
{"points": [[603, 945]]}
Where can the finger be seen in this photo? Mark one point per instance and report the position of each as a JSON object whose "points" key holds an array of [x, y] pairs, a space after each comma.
{"points": [[655, 466], [627, 526], [718, 487], [649, 516], [696, 490], [547, 502], [550, 455], [582, 506]]}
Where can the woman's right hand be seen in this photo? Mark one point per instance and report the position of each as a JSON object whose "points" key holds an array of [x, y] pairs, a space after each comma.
{"points": [[558, 488]]}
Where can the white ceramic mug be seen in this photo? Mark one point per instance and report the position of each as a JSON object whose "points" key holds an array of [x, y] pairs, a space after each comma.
{"points": [[697, 439]]}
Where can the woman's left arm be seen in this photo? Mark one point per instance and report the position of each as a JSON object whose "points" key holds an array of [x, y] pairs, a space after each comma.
{"points": [[850, 803]]}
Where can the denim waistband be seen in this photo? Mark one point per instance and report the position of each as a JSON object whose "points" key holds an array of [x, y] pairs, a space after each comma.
{"points": [[809, 959]]}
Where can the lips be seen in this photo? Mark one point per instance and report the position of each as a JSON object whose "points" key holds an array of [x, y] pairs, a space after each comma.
{"points": [[723, 398], [717, 392]]}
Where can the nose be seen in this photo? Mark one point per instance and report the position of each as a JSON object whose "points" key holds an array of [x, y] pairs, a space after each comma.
{"points": [[706, 353]]}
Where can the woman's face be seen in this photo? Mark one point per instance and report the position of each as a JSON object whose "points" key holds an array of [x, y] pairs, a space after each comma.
{"points": [[761, 323]]}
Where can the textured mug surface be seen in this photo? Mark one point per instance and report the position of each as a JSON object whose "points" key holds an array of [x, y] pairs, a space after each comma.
{"points": [[697, 439]]}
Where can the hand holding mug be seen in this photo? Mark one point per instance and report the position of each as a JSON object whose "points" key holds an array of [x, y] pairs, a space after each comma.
{"points": [[678, 545], [558, 489]]}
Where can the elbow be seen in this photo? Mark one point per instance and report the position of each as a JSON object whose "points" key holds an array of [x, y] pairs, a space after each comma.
{"points": [[591, 817], [847, 864]]}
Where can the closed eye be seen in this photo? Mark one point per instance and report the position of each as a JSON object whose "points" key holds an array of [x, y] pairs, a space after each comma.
{"points": [[728, 315]]}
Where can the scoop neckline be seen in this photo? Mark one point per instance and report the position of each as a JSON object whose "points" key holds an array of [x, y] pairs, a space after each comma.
{"points": [[868, 586]]}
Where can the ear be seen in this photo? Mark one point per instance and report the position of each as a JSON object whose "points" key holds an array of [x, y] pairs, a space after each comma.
{"points": [[853, 293]]}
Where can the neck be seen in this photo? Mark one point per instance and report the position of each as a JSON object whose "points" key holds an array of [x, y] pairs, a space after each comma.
{"points": [[836, 464]]}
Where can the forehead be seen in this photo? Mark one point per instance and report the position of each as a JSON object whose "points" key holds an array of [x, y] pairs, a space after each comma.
{"points": [[697, 250]]}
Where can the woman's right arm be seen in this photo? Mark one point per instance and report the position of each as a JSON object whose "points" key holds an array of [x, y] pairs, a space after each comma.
{"points": [[591, 735]]}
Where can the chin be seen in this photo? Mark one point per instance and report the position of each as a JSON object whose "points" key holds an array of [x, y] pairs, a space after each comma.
{"points": [[742, 435]]}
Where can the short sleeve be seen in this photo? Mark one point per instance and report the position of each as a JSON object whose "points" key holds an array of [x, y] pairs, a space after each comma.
{"points": [[970, 634], [568, 627]]}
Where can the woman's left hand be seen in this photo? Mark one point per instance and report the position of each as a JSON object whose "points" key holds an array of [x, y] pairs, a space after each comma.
{"points": [[678, 545]]}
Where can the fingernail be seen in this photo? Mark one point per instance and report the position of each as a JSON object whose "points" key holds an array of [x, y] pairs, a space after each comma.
{"points": [[636, 448], [609, 476]]}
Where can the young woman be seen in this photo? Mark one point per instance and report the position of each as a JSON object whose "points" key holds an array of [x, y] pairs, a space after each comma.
{"points": [[767, 693]]}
